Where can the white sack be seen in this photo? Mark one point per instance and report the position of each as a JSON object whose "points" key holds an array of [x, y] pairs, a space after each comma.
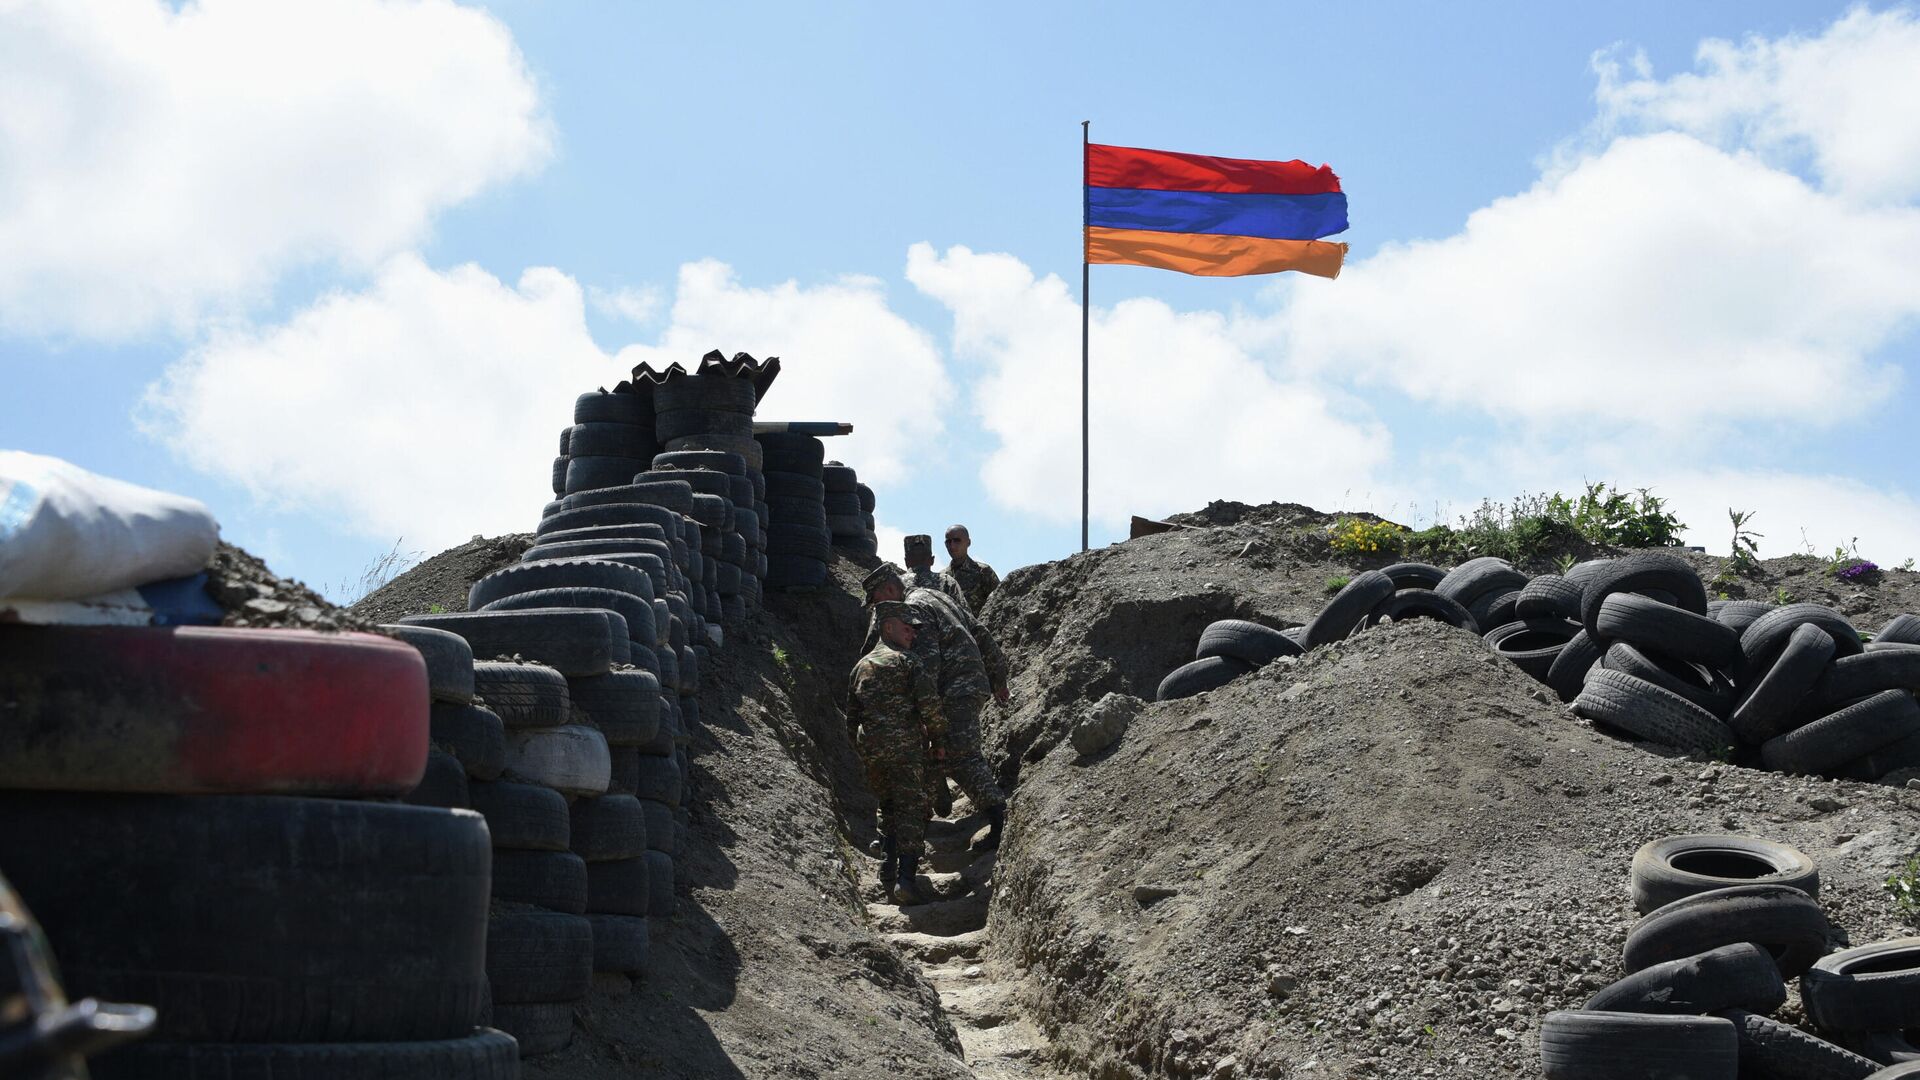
{"points": [[67, 533]]}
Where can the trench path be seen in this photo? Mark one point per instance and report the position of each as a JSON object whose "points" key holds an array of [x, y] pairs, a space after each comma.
{"points": [[947, 937]]}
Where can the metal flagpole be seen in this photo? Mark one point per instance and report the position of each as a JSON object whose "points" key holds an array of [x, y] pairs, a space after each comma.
{"points": [[1084, 214]]}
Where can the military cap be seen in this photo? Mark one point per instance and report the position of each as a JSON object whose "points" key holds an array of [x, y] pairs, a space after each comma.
{"points": [[919, 543], [879, 576], [896, 609]]}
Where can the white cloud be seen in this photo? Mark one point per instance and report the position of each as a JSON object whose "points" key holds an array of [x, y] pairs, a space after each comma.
{"points": [[635, 304], [1848, 100], [1661, 284], [428, 405], [167, 162], [1182, 411], [1794, 511], [844, 356]]}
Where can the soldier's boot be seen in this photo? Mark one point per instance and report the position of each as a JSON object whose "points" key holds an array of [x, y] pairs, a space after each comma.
{"points": [[889, 866], [996, 820], [942, 798], [906, 891]]}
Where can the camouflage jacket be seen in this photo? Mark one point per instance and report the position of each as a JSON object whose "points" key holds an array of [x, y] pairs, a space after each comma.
{"points": [[976, 579], [891, 695], [943, 645], [992, 661], [924, 577]]}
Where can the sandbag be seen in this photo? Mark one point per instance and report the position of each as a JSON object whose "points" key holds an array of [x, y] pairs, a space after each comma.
{"points": [[66, 533]]}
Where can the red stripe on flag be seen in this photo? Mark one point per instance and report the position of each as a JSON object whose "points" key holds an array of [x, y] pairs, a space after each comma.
{"points": [[1164, 170]]}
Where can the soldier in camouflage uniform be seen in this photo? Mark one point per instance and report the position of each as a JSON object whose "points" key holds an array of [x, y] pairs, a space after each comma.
{"points": [[920, 573], [967, 665], [976, 579], [893, 716]]}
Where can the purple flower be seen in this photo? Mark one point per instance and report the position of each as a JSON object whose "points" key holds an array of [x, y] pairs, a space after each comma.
{"points": [[1859, 570]]}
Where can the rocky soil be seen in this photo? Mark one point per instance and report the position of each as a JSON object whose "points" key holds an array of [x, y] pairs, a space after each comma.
{"points": [[1391, 857]]}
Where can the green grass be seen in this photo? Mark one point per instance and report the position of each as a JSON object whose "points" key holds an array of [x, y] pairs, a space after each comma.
{"points": [[1336, 583], [1904, 886]]}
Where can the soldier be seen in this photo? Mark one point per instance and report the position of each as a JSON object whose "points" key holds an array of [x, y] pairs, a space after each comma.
{"points": [[920, 573], [966, 665], [976, 579], [892, 699]]}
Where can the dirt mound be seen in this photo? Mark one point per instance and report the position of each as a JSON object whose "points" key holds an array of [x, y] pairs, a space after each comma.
{"points": [[252, 595], [1398, 852], [440, 584]]}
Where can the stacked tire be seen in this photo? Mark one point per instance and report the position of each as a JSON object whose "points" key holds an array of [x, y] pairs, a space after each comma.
{"points": [[1726, 920], [611, 439], [283, 926], [798, 539], [706, 422], [849, 505]]}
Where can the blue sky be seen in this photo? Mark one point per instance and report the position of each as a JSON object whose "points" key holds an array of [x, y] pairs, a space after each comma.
{"points": [[378, 371]]}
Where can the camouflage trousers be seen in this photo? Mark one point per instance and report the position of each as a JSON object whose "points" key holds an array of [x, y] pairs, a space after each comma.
{"points": [[896, 774], [965, 762]]}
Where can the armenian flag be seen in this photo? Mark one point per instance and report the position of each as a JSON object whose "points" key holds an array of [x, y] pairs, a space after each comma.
{"points": [[1214, 216]]}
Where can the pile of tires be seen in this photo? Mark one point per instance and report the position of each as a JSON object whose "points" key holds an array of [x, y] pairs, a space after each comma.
{"points": [[612, 437], [1726, 920], [849, 505], [798, 539], [556, 776], [191, 812], [705, 420]]}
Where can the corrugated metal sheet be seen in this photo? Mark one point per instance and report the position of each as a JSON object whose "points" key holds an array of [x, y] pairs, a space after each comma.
{"points": [[742, 366]]}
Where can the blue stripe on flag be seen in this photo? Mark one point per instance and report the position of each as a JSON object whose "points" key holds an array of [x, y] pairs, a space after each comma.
{"points": [[1275, 217]]}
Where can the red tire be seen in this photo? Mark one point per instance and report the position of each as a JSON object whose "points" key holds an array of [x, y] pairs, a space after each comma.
{"points": [[208, 710]]}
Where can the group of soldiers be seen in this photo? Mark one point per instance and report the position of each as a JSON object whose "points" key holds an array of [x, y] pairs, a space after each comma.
{"points": [[914, 699]]}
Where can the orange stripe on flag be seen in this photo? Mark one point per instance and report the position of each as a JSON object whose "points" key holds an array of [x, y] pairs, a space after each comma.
{"points": [[1213, 255]]}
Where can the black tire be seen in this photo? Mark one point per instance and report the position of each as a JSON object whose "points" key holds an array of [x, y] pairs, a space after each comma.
{"points": [[611, 440], [845, 504], [1532, 644], [637, 612], [655, 545], [1495, 609], [867, 498], [794, 453], [839, 478], [560, 475], [443, 785], [1644, 573], [1886, 1047], [449, 660], [701, 481], [1421, 604], [1673, 631], [1769, 634], [1414, 575], [624, 705], [659, 822], [660, 871], [747, 448], [1880, 764], [1582, 572], [523, 695], [620, 944], [1771, 1050], [555, 880], [1869, 988], [560, 574], [539, 1029], [1578, 1045], [625, 774], [618, 887], [602, 407], [1200, 676], [609, 827], [801, 540], [795, 572], [566, 440], [484, 1055], [1707, 689], [473, 735], [1249, 641], [714, 392], [715, 514], [591, 473], [847, 527], [259, 919], [1772, 696], [523, 817], [658, 779], [712, 460], [1784, 921], [1867, 674], [1475, 578], [747, 524], [603, 514], [1650, 713], [1347, 608], [668, 491], [797, 512], [536, 956], [1740, 976], [1676, 867], [571, 642], [1737, 615], [1548, 596], [783, 485], [1567, 675], [1853, 732], [1900, 630], [680, 423], [646, 532]]}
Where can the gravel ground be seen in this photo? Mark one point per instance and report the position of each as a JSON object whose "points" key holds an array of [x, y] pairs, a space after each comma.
{"points": [[440, 584], [253, 595]]}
